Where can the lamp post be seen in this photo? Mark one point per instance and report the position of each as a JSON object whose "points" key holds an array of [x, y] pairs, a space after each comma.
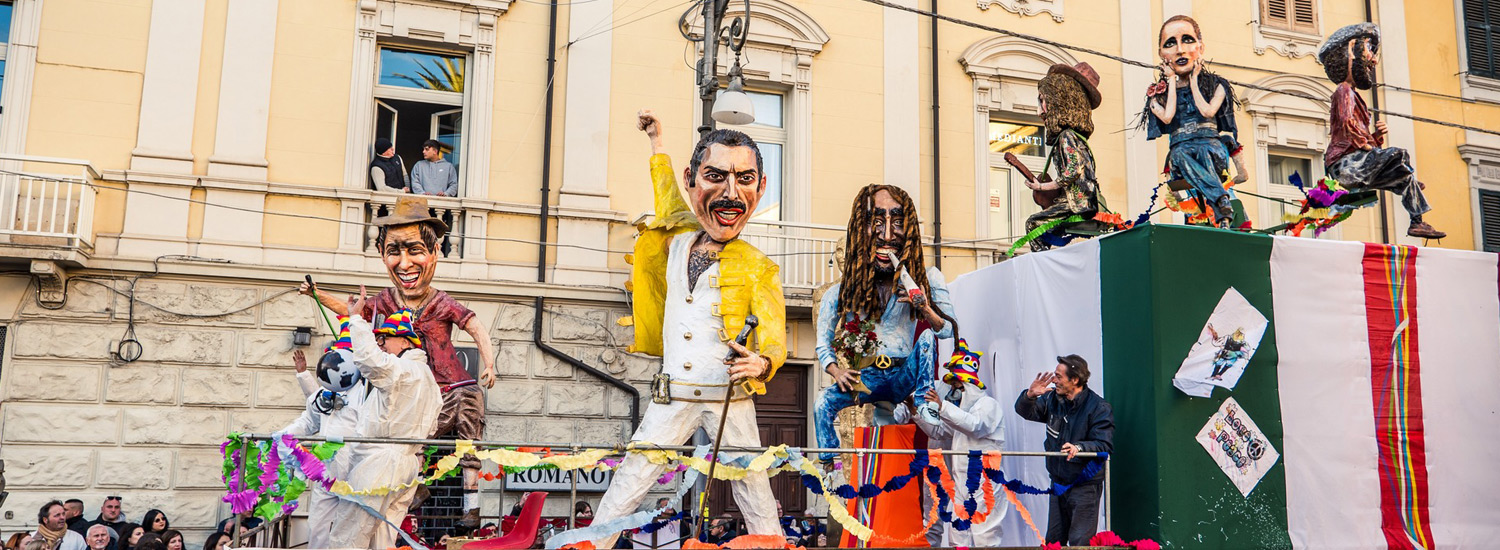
{"points": [[733, 106]]}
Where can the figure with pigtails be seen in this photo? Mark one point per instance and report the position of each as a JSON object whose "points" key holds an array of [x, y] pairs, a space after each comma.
{"points": [[1195, 108]]}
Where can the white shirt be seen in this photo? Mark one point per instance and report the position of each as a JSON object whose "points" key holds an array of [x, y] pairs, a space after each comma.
{"points": [[71, 541], [691, 349]]}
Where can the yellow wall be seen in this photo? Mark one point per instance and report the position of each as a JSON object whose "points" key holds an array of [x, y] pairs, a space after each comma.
{"points": [[310, 92]]}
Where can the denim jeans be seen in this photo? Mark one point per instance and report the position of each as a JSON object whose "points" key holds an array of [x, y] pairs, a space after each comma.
{"points": [[907, 376]]}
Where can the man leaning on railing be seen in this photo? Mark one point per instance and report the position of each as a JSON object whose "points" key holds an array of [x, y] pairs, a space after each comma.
{"points": [[1078, 420]]}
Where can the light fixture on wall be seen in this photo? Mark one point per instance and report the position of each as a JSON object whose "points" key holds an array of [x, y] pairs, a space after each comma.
{"points": [[733, 106], [302, 336]]}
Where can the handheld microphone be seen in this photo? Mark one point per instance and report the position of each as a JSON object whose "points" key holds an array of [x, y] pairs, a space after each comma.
{"points": [[750, 323]]}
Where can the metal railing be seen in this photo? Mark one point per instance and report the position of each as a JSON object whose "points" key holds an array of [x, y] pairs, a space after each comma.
{"points": [[545, 447], [803, 250], [47, 201]]}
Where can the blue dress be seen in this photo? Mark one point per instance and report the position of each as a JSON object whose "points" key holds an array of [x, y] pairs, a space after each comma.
{"points": [[1198, 152]]}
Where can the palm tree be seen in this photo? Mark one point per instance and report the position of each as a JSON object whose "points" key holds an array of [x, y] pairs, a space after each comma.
{"points": [[446, 74]]}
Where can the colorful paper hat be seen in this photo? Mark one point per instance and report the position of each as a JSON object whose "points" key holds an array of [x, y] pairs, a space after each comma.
{"points": [[342, 342], [964, 364], [399, 324]]}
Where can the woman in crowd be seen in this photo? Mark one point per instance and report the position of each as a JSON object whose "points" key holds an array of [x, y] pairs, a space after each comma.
{"points": [[150, 541], [133, 538], [216, 541], [155, 522], [17, 540], [583, 513], [173, 539]]}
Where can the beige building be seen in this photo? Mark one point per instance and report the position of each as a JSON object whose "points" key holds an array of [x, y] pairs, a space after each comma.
{"points": [[172, 168]]}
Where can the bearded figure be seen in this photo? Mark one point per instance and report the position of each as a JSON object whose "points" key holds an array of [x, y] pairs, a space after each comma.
{"points": [[408, 242], [695, 283], [889, 293], [1357, 157], [1068, 97], [1196, 108]]}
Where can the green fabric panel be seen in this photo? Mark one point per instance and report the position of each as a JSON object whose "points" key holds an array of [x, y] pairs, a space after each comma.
{"points": [[1125, 293], [1190, 269]]}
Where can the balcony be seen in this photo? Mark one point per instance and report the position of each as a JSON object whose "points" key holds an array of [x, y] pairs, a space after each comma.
{"points": [[47, 208], [804, 250], [447, 209]]}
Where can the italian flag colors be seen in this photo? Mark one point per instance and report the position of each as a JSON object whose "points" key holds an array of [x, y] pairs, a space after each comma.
{"points": [[1377, 381]]}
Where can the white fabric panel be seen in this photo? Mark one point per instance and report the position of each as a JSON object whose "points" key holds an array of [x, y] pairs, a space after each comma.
{"points": [[1022, 314], [1458, 323], [1327, 414]]}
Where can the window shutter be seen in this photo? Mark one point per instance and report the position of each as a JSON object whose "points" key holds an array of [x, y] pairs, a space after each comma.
{"points": [[1275, 13], [1489, 219], [1304, 16], [1481, 31]]}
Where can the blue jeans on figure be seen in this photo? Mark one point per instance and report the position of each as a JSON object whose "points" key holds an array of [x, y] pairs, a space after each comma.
{"points": [[907, 376]]}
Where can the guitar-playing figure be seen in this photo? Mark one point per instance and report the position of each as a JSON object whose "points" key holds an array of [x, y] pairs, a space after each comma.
{"points": [[1069, 94]]}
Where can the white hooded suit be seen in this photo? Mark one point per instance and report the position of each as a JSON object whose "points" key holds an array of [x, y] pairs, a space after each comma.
{"points": [[977, 422]]}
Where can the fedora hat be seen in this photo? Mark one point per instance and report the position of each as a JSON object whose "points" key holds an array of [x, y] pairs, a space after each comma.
{"points": [[409, 210], [1086, 77]]}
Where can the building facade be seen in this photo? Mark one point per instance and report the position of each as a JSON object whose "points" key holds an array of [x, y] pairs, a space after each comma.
{"points": [[171, 169]]}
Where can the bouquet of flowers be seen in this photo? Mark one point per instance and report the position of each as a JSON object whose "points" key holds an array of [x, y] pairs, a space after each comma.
{"points": [[855, 345]]}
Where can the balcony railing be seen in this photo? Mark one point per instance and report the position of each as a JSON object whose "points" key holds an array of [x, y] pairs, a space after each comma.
{"points": [[804, 250], [444, 208], [47, 201]]}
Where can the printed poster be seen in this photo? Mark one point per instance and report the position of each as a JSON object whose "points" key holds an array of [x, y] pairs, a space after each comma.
{"points": [[1224, 347], [1238, 446]]}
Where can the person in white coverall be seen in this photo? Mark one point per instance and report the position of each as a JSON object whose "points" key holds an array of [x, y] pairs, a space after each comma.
{"points": [[974, 421], [327, 421], [397, 398]]}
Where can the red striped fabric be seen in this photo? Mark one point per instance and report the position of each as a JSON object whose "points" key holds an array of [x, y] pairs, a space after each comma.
{"points": [[1396, 387]]}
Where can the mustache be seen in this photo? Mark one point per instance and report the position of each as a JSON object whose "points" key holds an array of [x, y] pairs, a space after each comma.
{"points": [[727, 203], [898, 244]]}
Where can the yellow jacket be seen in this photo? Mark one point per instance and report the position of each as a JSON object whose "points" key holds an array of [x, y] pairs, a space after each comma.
{"points": [[748, 281]]}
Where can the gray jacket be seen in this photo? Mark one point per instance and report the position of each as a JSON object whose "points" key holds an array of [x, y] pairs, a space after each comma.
{"points": [[434, 178]]}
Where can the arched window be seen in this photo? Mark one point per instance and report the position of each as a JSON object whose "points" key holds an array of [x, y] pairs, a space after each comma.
{"points": [[1287, 134], [1005, 72]]}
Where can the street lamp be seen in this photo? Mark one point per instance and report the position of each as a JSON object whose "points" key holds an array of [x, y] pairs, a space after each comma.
{"points": [[732, 106]]}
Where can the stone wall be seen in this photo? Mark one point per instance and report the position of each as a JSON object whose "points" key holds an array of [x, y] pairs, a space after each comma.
{"points": [[78, 423]]}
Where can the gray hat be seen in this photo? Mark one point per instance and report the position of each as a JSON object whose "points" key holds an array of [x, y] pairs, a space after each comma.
{"points": [[1340, 38]]}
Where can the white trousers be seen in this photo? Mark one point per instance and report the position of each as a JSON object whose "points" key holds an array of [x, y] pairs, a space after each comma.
{"points": [[673, 424], [350, 526]]}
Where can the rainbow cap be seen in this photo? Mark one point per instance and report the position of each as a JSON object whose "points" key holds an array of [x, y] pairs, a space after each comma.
{"points": [[399, 324], [964, 364]]}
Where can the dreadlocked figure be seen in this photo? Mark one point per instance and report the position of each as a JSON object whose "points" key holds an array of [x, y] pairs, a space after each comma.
{"points": [[884, 237], [1068, 96], [1355, 157], [1193, 106]]}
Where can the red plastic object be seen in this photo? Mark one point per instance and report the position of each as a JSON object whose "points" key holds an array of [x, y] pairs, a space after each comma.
{"points": [[525, 531]]}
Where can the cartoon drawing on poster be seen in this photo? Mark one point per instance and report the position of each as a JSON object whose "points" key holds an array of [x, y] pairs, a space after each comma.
{"points": [[1238, 446], [1224, 347]]}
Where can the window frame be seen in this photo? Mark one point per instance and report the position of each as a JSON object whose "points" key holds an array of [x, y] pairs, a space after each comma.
{"points": [[1482, 242], [1021, 204], [1290, 21], [1493, 30], [764, 134], [456, 100], [1286, 191]]}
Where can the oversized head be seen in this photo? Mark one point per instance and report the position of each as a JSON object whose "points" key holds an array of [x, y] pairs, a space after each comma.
{"points": [[725, 180], [1351, 54], [1068, 96], [884, 232], [1180, 44], [408, 243]]}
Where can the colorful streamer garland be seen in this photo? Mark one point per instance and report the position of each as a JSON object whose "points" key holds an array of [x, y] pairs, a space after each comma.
{"points": [[278, 471]]}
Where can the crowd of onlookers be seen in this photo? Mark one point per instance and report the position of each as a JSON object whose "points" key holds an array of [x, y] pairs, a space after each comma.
{"points": [[62, 526]]}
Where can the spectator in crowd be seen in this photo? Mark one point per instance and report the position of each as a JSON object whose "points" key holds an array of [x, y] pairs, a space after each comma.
{"points": [[97, 537], [227, 526], [52, 529], [387, 170], [155, 521], [16, 541], [721, 530], [216, 541], [129, 542], [443, 541], [173, 539], [150, 541], [1078, 420], [486, 531], [434, 175], [583, 513], [37, 544], [111, 515], [74, 511]]}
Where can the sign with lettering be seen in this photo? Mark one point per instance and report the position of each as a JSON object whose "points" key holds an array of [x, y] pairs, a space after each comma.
{"points": [[589, 481], [1020, 139], [1238, 446]]}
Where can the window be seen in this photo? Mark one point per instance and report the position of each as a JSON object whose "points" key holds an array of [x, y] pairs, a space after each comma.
{"points": [[770, 135], [419, 95], [5, 13], [1292, 15], [1482, 36], [1281, 164], [1489, 216], [1009, 201]]}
